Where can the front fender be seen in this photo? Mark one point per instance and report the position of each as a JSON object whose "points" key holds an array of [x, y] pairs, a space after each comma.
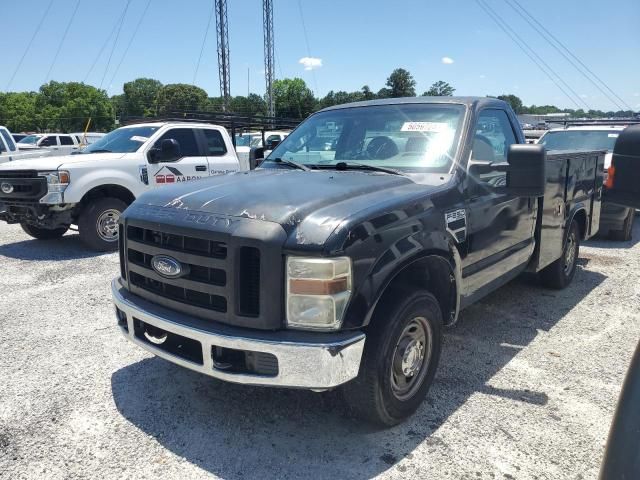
{"points": [[90, 179]]}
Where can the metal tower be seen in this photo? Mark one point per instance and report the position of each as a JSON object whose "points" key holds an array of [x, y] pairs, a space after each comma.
{"points": [[222, 31], [267, 17]]}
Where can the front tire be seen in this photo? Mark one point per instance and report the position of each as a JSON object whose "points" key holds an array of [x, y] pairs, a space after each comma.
{"points": [[43, 233], [400, 358], [560, 273], [98, 224]]}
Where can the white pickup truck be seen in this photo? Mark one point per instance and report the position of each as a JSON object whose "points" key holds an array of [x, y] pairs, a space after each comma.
{"points": [[92, 188], [9, 149]]}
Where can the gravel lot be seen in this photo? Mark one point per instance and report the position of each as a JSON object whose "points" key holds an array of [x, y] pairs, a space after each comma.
{"points": [[526, 388]]}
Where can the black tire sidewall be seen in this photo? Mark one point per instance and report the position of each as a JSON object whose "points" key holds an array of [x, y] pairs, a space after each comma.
{"points": [[575, 231], [382, 345], [43, 233], [89, 217]]}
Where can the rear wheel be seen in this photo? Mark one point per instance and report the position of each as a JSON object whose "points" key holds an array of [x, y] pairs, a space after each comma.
{"points": [[98, 224], [560, 273], [400, 358], [625, 234], [43, 233]]}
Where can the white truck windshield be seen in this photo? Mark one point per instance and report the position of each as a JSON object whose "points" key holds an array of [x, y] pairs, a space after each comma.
{"points": [[122, 140], [408, 137]]}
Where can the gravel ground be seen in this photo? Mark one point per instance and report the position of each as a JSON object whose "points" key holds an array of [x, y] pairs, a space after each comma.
{"points": [[526, 388]]}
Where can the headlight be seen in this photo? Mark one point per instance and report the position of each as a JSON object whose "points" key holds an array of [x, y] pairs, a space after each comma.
{"points": [[57, 183], [318, 290]]}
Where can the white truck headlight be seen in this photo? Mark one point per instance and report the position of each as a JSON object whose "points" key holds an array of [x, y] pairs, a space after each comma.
{"points": [[318, 290], [57, 183]]}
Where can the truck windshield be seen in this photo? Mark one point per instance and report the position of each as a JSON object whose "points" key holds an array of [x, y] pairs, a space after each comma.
{"points": [[407, 137], [31, 139], [580, 140], [122, 140]]}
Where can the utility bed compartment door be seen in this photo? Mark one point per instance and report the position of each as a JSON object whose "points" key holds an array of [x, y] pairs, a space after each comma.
{"points": [[623, 180]]}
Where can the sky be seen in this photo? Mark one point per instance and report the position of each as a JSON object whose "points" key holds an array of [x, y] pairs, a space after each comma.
{"points": [[331, 44]]}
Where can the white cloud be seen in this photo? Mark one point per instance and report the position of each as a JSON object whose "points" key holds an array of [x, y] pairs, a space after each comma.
{"points": [[584, 95], [483, 76], [447, 60], [637, 94], [310, 63]]}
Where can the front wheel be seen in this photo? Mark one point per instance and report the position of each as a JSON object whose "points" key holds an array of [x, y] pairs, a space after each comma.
{"points": [[560, 273], [98, 224], [400, 358], [43, 233]]}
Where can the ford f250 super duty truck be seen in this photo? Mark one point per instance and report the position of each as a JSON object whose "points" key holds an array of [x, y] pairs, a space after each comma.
{"points": [[363, 234], [91, 188]]}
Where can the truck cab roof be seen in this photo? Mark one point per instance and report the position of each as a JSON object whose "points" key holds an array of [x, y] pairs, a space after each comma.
{"points": [[478, 102]]}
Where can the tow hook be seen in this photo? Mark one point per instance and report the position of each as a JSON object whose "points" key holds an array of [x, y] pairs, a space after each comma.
{"points": [[155, 335]]}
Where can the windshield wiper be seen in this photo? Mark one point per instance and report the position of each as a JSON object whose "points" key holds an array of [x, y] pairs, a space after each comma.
{"points": [[290, 163], [100, 150], [363, 166]]}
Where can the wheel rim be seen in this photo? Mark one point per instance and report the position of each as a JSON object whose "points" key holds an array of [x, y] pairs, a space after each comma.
{"points": [[107, 225], [570, 253], [411, 358]]}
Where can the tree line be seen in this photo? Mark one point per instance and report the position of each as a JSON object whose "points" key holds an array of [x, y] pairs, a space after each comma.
{"points": [[67, 106]]}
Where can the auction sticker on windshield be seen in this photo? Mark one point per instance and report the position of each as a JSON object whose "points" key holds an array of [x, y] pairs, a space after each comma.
{"points": [[137, 138], [424, 127]]}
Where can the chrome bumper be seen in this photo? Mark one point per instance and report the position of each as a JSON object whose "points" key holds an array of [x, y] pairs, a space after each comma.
{"points": [[314, 361]]}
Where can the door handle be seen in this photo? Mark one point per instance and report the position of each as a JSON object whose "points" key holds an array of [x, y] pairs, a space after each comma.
{"points": [[201, 168]]}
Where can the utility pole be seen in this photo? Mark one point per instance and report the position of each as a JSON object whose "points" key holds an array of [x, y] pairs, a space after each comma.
{"points": [[267, 16], [222, 31]]}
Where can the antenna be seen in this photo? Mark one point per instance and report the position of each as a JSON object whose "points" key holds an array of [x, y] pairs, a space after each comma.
{"points": [[222, 31], [267, 16]]}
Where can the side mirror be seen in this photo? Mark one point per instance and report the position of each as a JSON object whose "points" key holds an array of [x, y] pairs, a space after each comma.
{"points": [[621, 184], [271, 144], [256, 156], [169, 151], [526, 170]]}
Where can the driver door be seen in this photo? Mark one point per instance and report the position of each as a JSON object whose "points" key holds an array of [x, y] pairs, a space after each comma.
{"points": [[190, 166], [500, 225]]}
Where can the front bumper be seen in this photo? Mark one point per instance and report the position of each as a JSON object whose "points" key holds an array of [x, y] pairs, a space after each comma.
{"points": [[314, 361]]}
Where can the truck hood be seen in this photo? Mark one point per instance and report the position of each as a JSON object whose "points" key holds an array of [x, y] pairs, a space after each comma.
{"points": [[308, 205], [60, 161]]}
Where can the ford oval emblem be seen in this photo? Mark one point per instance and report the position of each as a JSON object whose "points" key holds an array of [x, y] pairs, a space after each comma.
{"points": [[6, 187], [167, 266]]}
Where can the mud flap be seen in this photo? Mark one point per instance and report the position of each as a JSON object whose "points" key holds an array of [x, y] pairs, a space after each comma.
{"points": [[622, 185]]}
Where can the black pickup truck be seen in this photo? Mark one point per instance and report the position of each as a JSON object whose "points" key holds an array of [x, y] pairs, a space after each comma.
{"points": [[363, 234]]}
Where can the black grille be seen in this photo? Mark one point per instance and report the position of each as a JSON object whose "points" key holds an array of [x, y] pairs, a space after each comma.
{"points": [[26, 185], [209, 285]]}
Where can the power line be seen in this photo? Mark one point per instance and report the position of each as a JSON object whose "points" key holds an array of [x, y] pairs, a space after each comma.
{"points": [[124, 14], [306, 41], [532, 56], [104, 45], [549, 34], [204, 41], [26, 50], [126, 50], [64, 36]]}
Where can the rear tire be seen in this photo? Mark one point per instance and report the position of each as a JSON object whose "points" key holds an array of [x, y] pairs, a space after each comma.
{"points": [[400, 358], [560, 273], [626, 233], [43, 233], [98, 224]]}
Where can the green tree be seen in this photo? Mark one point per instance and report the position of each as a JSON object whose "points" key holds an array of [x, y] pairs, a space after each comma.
{"points": [[293, 98], [140, 98], [401, 83], [252, 105], [68, 106], [514, 101], [367, 94], [439, 89], [180, 97], [18, 111]]}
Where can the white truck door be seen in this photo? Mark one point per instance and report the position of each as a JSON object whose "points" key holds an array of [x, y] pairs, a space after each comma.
{"points": [[50, 142], [190, 165], [221, 156], [67, 145]]}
